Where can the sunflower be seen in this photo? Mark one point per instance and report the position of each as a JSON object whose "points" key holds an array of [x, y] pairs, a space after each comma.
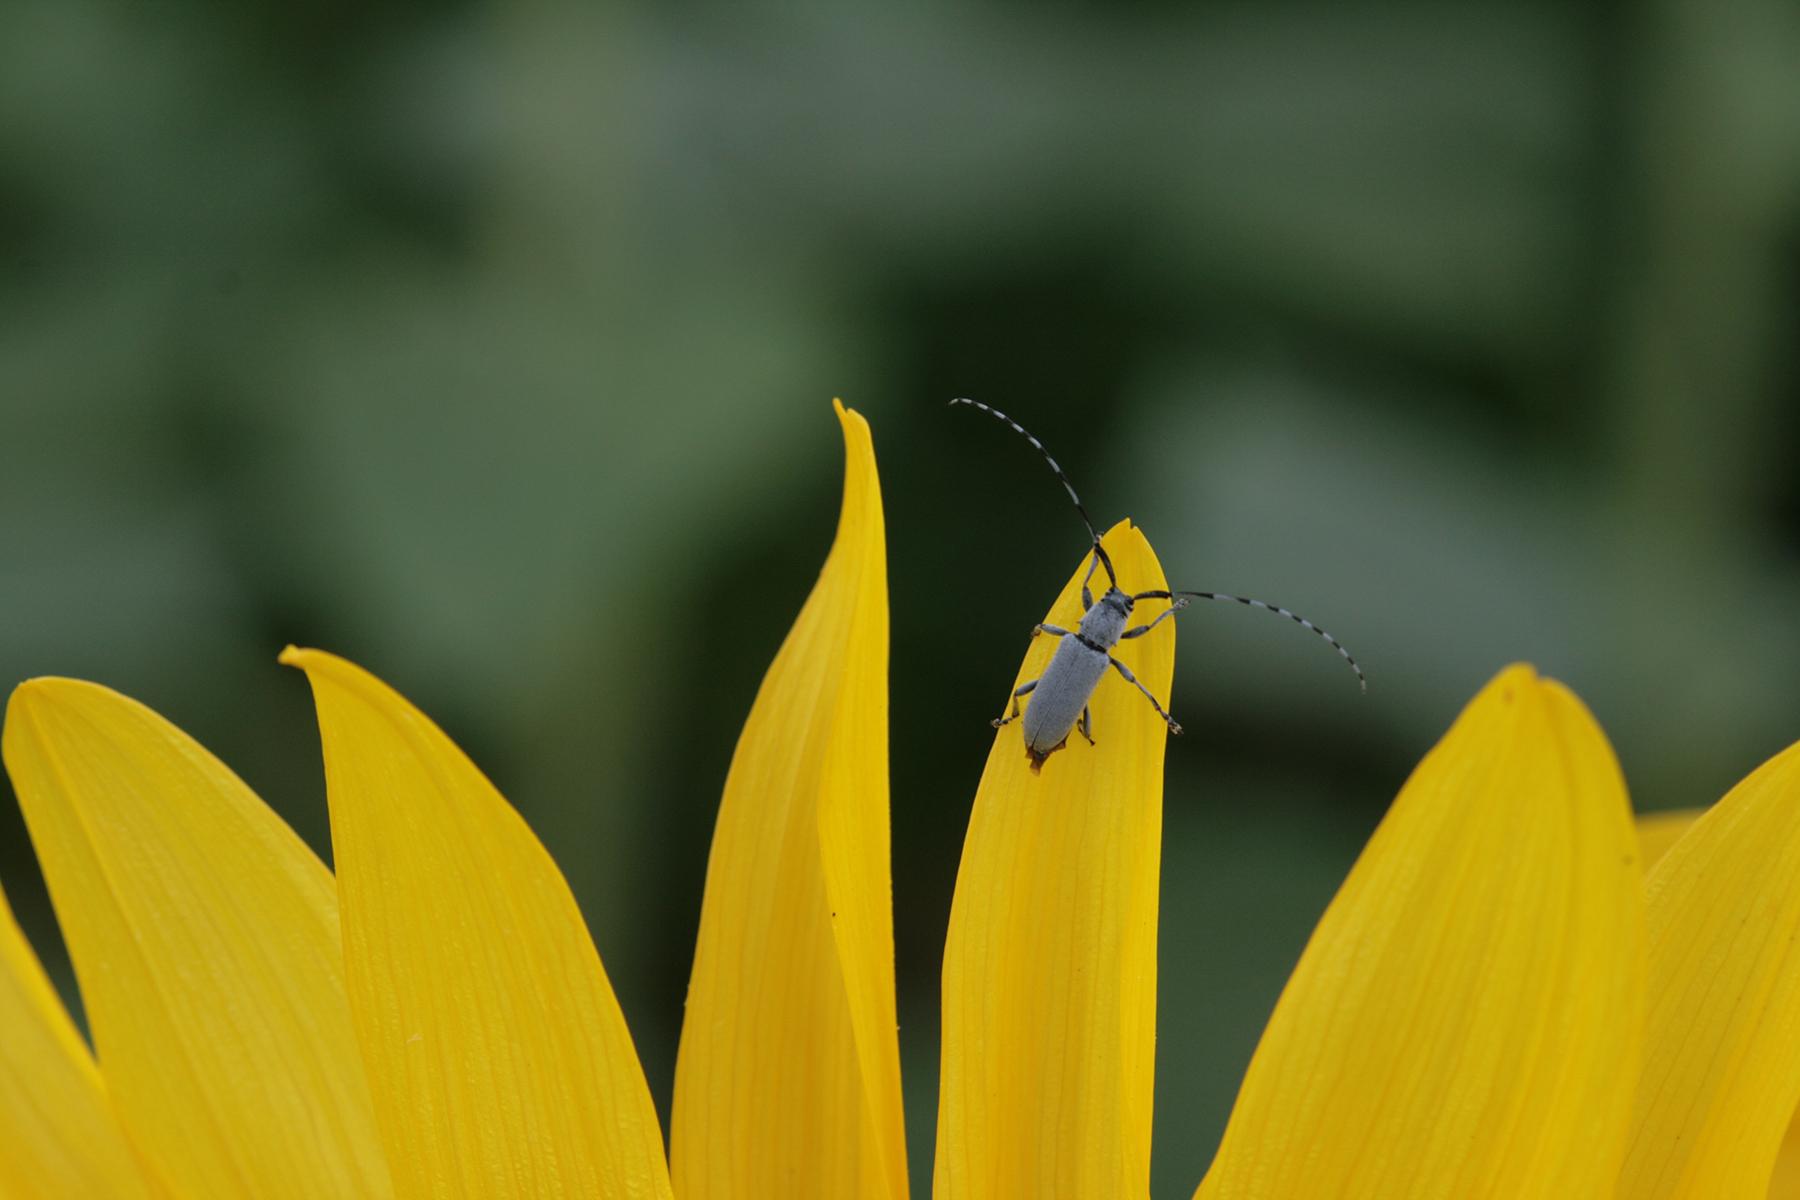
{"points": [[1498, 1003]]}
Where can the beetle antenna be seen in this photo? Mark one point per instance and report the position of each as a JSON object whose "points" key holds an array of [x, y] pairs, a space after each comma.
{"points": [[1295, 617], [1099, 550]]}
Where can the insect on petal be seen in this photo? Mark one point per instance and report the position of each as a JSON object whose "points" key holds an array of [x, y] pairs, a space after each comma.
{"points": [[1466, 1021], [498, 1058], [788, 1081], [205, 937], [58, 1134], [1049, 990], [1722, 1053]]}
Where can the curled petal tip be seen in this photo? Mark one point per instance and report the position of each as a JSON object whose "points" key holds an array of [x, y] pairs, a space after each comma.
{"points": [[306, 658]]}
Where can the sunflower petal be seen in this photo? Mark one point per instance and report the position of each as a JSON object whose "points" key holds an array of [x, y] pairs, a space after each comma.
{"points": [[1049, 1000], [498, 1057], [58, 1135], [1467, 1016], [1722, 1051], [1658, 831], [1784, 1182], [788, 1080], [205, 938]]}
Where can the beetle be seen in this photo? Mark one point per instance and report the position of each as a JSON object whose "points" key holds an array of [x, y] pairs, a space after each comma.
{"points": [[1060, 696]]}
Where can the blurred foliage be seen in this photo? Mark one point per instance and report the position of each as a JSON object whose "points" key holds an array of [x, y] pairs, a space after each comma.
{"points": [[491, 346]]}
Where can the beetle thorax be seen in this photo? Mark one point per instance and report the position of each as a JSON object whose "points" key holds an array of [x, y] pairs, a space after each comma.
{"points": [[1103, 623]]}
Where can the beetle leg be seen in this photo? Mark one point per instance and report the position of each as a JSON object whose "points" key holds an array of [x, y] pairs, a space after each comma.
{"points": [[1087, 597], [1024, 688], [1141, 630], [1052, 630], [1087, 724], [1133, 680]]}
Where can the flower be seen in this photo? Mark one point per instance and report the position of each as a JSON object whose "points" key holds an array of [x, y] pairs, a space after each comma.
{"points": [[436, 1021], [1498, 1002], [1468, 1019]]}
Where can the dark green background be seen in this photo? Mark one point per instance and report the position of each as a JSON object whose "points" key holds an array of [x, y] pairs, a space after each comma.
{"points": [[492, 346]]}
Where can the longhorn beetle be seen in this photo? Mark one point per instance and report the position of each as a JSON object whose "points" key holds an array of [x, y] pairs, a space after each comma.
{"points": [[1059, 697]]}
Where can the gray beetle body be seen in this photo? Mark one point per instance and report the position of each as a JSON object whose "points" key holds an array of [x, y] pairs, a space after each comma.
{"points": [[1062, 692], [1060, 696]]}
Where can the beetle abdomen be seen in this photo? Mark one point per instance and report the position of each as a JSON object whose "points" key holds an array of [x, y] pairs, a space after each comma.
{"points": [[1062, 692]]}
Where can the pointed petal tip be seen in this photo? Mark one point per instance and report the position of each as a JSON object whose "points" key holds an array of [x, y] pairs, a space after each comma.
{"points": [[1124, 528], [325, 664], [855, 425], [26, 688], [41, 688], [319, 664], [44, 693], [1518, 683], [1519, 674], [21, 700], [299, 656]]}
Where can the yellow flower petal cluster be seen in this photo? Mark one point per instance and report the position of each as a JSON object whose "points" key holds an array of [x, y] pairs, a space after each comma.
{"points": [[1517, 992]]}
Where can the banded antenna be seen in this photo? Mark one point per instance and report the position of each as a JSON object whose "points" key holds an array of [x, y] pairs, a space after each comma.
{"points": [[1099, 550], [1295, 617]]}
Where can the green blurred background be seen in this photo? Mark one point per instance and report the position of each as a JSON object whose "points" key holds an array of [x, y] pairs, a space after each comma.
{"points": [[492, 346]]}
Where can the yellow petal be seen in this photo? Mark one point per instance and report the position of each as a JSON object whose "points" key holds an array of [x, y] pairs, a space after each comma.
{"points": [[1658, 831], [1049, 1005], [788, 1080], [1722, 1050], [1784, 1183], [58, 1135], [204, 935], [498, 1058], [1466, 1020]]}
